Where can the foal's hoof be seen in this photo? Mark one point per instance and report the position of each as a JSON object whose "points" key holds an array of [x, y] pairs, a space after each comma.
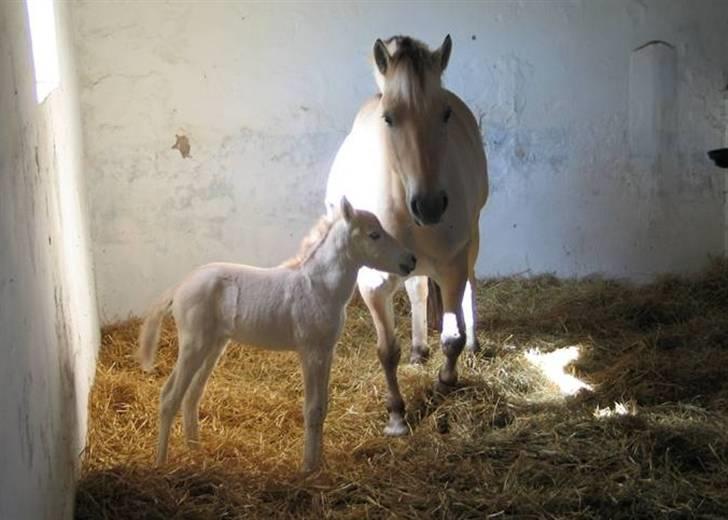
{"points": [[396, 428]]}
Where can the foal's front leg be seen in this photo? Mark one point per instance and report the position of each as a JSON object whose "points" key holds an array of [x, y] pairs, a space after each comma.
{"points": [[316, 367]]}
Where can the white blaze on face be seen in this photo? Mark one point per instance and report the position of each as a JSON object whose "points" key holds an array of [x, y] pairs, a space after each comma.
{"points": [[450, 330]]}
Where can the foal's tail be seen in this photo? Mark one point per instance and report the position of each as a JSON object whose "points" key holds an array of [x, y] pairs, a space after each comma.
{"points": [[149, 333]]}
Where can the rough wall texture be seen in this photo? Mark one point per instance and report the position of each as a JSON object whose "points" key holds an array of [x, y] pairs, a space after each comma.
{"points": [[48, 320], [265, 93]]}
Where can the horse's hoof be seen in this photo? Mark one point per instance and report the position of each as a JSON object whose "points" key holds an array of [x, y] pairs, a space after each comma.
{"points": [[419, 356], [443, 388], [396, 428]]}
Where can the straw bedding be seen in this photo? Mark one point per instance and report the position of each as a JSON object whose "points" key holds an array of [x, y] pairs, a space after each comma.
{"points": [[648, 441]]}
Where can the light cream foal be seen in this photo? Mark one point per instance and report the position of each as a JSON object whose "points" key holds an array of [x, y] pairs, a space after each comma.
{"points": [[299, 305], [415, 158]]}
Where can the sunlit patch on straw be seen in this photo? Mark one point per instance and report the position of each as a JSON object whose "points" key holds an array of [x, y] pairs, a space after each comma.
{"points": [[619, 410], [552, 365]]}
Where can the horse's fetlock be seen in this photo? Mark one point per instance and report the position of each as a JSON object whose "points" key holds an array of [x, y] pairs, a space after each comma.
{"points": [[395, 405], [453, 346], [419, 355]]}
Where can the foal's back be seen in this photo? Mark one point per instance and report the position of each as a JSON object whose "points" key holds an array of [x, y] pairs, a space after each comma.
{"points": [[248, 304]]}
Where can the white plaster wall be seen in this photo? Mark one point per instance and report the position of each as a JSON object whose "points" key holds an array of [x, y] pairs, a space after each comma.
{"points": [[48, 320], [266, 92]]}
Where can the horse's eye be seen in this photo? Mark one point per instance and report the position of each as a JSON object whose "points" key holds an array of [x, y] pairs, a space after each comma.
{"points": [[448, 113], [387, 119], [374, 235]]}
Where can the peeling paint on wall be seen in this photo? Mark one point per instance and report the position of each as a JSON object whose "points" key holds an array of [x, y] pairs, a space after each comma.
{"points": [[183, 145]]}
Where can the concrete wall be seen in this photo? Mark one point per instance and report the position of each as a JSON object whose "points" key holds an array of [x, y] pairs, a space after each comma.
{"points": [[597, 151], [48, 321]]}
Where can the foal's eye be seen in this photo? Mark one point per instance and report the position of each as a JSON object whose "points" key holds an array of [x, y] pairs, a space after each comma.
{"points": [[374, 235], [447, 114], [387, 119]]}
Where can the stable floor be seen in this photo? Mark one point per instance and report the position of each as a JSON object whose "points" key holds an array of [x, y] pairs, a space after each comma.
{"points": [[591, 399]]}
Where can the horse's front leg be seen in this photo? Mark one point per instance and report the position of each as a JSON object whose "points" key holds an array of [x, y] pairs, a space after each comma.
{"points": [[452, 338], [316, 368], [376, 290], [417, 294], [470, 312]]}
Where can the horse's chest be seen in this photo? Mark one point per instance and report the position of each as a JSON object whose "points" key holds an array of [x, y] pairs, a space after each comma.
{"points": [[431, 244]]}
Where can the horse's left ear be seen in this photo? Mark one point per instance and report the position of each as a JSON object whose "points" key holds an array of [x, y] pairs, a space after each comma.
{"points": [[443, 53], [347, 211]]}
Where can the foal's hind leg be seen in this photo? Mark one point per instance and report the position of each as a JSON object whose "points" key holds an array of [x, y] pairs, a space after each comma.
{"points": [[417, 293], [191, 401], [188, 362], [378, 299]]}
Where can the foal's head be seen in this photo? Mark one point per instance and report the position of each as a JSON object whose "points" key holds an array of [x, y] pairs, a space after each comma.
{"points": [[414, 114], [371, 246]]}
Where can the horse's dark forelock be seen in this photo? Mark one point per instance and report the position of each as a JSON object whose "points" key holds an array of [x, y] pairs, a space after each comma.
{"points": [[414, 60]]}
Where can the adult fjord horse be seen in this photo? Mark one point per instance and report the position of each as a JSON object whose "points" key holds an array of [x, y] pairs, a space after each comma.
{"points": [[414, 157]]}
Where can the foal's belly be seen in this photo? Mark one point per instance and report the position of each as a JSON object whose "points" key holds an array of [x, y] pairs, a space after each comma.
{"points": [[263, 337]]}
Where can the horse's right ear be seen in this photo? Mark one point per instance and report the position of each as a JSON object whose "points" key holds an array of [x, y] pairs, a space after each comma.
{"points": [[443, 53], [381, 56], [347, 211]]}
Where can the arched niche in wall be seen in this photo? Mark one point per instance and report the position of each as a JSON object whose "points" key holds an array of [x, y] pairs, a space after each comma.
{"points": [[653, 102]]}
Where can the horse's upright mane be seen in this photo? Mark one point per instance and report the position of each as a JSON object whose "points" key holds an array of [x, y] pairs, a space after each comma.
{"points": [[311, 242]]}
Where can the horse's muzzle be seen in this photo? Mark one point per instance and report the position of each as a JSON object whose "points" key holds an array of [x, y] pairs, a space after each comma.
{"points": [[409, 266], [428, 209]]}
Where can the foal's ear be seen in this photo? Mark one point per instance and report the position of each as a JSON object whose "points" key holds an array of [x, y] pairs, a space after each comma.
{"points": [[442, 55], [381, 56], [347, 211]]}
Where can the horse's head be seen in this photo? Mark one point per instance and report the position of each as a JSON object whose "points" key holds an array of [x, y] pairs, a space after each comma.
{"points": [[371, 246], [414, 114]]}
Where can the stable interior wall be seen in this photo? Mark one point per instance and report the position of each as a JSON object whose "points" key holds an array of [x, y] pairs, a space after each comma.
{"points": [[596, 117], [48, 313]]}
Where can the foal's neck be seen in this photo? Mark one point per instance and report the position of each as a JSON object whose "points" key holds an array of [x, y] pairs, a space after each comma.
{"points": [[331, 269]]}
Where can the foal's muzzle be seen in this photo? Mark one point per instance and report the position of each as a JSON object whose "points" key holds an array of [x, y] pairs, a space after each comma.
{"points": [[409, 265], [428, 209]]}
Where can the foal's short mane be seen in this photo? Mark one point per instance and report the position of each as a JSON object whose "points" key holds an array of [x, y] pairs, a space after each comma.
{"points": [[311, 242], [413, 69]]}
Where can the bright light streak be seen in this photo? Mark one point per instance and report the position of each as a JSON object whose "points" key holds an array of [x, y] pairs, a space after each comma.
{"points": [[552, 366], [618, 410], [42, 19]]}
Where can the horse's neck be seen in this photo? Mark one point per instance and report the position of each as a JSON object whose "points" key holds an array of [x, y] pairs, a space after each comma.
{"points": [[331, 270]]}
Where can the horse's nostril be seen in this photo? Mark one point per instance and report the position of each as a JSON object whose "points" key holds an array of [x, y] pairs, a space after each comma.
{"points": [[444, 201], [415, 206], [413, 259]]}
